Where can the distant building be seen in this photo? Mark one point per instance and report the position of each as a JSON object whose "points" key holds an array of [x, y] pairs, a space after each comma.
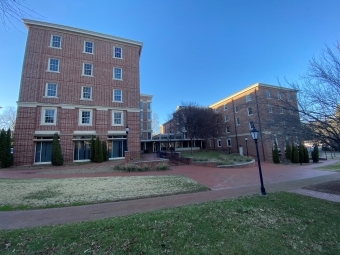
{"points": [[271, 108], [79, 84]]}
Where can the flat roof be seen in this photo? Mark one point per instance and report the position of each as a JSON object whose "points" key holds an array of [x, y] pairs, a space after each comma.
{"points": [[29, 23]]}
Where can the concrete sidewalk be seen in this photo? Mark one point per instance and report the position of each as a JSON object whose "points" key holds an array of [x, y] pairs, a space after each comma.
{"points": [[48, 217]]}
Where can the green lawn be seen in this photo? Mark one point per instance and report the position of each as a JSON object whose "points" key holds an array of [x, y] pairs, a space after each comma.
{"points": [[280, 223], [222, 157], [334, 167]]}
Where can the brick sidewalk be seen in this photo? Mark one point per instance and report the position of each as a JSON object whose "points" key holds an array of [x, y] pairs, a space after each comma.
{"points": [[225, 183]]}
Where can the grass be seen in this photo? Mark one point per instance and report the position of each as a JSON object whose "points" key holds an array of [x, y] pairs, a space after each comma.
{"points": [[333, 167], [221, 157], [280, 223], [21, 194]]}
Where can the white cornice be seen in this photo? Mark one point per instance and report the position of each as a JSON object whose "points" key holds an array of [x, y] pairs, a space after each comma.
{"points": [[29, 23], [73, 106]]}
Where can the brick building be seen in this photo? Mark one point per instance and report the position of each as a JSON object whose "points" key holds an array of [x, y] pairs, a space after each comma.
{"points": [[79, 84], [271, 108]]}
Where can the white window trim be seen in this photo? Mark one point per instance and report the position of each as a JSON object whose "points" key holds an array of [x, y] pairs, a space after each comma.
{"points": [[278, 95], [249, 114], [42, 119], [82, 93], [48, 65], [270, 108], [51, 41], [85, 47], [219, 143], [226, 118], [112, 121], [248, 98], [46, 90], [80, 117], [228, 139], [226, 130], [268, 95], [236, 108], [121, 52], [225, 107], [281, 110], [238, 122], [83, 72], [121, 74], [113, 96]]}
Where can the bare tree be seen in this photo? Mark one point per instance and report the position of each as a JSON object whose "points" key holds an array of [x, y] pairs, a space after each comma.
{"points": [[7, 118], [13, 9], [319, 97]]}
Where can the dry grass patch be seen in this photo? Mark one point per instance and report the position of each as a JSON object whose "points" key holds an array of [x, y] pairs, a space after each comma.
{"points": [[34, 193]]}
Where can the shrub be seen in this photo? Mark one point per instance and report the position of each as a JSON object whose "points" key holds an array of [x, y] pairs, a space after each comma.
{"points": [[301, 154], [57, 158], [315, 154], [295, 154], [92, 149], [275, 154], [288, 153], [6, 159], [98, 151], [105, 153], [305, 155], [162, 166]]}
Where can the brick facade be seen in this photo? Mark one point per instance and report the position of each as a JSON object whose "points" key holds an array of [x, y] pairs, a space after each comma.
{"points": [[70, 103]]}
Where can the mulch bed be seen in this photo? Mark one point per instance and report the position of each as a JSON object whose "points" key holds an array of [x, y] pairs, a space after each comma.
{"points": [[332, 187]]}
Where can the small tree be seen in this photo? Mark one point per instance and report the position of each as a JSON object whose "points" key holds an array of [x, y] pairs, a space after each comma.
{"points": [[305, 155], [57, 158], [315, 154], [93, 148], [295, 154], [105, 154], [288, 153], [275, 153], [98, 151], [301, 154], [5, 149]]}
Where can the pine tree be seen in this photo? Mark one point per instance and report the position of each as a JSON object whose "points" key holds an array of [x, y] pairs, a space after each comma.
{"points": [[5, 149], [293, 151], [315, 154], [98, 151], [295, 155], [306, 155], [275, 153], [8, 147], [288, 153], [93, 148], [105, 154], [301, 154], [57, 158]]}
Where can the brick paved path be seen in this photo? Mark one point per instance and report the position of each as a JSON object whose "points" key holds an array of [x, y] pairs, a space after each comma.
{"points": [[225, 183]]}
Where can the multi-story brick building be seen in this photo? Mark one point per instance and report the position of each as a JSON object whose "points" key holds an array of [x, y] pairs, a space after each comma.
{"points": [[272, 109], [79, 84]]}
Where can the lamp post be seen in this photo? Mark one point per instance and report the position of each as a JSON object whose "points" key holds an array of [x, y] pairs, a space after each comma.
{"points": [[127, 132], [246, 139], [255, 133], [170, 141]]}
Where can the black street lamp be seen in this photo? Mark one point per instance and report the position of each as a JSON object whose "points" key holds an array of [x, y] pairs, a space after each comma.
{"points": [[246, 139], [255, 134], [127, 132], [169, 137]]}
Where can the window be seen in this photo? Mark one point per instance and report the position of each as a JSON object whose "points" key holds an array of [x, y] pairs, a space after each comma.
{"points": [[270, 108], [225, 107], [87, 69], [141, 105], [117, 73], [85, 117], [149, 115], [228, 142], [48, 116], [288, 97], [117, 95], [141, 115], [141, 125], [149, 106], [51, 90], [149, 124], [281, 110], [250, 111], [237, 121], [149, 136], [216, 110], [248, 98], [227, 129], [88, 47], [86, 93], [219, 144], [267, 94], [55, 41], [278, 95], [117, 118], [236, 108], [118, 53], [53, 65], [226, 118], [291, 111]]}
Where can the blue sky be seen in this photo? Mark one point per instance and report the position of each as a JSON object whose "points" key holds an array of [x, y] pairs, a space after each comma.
{"points": [[193, 50]]}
